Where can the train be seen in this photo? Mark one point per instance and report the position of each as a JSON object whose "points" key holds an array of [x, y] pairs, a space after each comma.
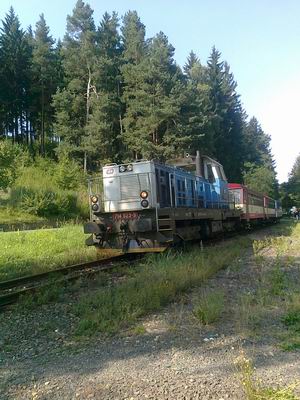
{"points": [[149, 206]]}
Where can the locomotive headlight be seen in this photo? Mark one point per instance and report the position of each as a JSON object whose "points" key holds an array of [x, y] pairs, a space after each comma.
{"points": [[94, 199], [129, 167], [122, 168], [145, 203], [144, 194], [95, 207]]}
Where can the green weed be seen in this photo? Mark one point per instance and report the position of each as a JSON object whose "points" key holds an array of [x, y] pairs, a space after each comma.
{"points": [[253, 388], [249, 314], [138, 330], [156, 283], [290, 340], [209, 307]]}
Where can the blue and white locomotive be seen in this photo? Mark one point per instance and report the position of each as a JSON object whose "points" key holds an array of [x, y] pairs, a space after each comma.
{"points": [[147, 205]]}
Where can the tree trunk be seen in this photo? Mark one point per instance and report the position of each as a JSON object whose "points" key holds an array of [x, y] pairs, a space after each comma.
{"points": [[43, 123]]}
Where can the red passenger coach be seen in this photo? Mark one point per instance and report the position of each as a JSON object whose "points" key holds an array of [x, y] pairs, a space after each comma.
{"points": [[254, 205]]}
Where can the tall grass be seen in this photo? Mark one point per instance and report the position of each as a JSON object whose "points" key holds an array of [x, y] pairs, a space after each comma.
{"points": [[154, 285]]}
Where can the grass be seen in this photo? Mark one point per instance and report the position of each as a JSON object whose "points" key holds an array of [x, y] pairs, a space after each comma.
{"points": [[255, 390], [209, 307], [155, 284], [12, 216], [276, 295], [291, 320], [30, 252]]}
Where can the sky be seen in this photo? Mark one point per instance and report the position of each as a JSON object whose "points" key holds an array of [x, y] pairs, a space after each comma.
{"points": [[260, 40]]}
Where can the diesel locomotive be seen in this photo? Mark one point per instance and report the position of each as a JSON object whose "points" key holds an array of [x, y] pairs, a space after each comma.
{"points": [[148, 206]]}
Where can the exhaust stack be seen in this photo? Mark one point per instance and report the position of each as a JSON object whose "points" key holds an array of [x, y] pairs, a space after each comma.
{"points": [[199, 169]]}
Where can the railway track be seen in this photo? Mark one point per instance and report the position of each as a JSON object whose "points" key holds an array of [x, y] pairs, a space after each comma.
{"points": [[11, 290]]}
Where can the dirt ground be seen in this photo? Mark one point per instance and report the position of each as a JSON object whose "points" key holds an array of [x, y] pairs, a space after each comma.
{"points": [[169, 355]]}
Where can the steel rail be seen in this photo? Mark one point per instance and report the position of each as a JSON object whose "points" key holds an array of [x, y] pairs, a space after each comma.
{"points": [[14, 288]]}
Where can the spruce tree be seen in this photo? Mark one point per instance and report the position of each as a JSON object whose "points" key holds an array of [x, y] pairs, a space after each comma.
{"points": [[105, 121], [15, 64], [153, 94], [192, 60], [73, 103], [228, 116], [45, 80]]}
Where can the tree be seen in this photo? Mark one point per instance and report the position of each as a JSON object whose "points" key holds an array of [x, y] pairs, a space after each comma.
{"points": [[256, 144], [197, 115], [227, 116], [191, 62], [8, 163], [153, 94], [261, 178], [104, 126], [73, 103], [292, 187], [15, 67], [45, 80]]}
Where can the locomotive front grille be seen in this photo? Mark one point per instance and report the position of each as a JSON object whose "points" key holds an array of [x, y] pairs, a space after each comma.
{"points": [[132, 185]]}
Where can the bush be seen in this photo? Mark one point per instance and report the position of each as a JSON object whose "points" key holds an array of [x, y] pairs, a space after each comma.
{"points": [[43, 189], [8, 163], [46, 203], [68, 174]]}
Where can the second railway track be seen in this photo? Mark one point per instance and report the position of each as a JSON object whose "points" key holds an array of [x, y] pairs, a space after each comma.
{"points": [[11, 290]]}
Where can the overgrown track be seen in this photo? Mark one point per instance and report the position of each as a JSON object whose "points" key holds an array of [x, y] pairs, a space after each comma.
{"points": [[11, 290]]}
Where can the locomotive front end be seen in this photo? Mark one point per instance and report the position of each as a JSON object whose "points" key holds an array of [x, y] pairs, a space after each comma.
{"points": [[123, 207]]}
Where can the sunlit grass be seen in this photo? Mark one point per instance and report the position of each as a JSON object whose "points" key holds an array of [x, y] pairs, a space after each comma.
{"points": [[30, 252], [209, 307], [154, 285]]}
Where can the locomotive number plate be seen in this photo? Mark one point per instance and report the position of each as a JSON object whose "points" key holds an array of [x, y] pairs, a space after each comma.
{"points": [[125, 216]]}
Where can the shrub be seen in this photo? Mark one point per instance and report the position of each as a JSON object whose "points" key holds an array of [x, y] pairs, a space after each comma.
{"points": [[68, 174], [8, 163], [46, 203], [42, 189]]}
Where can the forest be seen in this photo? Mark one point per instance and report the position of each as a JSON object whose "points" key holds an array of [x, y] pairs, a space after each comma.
{"points": [[108, 93]]}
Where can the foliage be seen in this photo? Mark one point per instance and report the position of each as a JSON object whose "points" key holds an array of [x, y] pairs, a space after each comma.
{"points": [[290, 191], [106, 93], [9, 165], [68, 174], [260, 178], [52, 196]]}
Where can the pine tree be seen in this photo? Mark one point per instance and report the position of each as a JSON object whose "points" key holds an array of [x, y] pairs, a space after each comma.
{"points": [[105, 121], [73, 103], [153, 94], [257, 144], [45, 80], [133, 56], [15, 65], [191, 62], [228, 116], [197, 117], [259, 166]]}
